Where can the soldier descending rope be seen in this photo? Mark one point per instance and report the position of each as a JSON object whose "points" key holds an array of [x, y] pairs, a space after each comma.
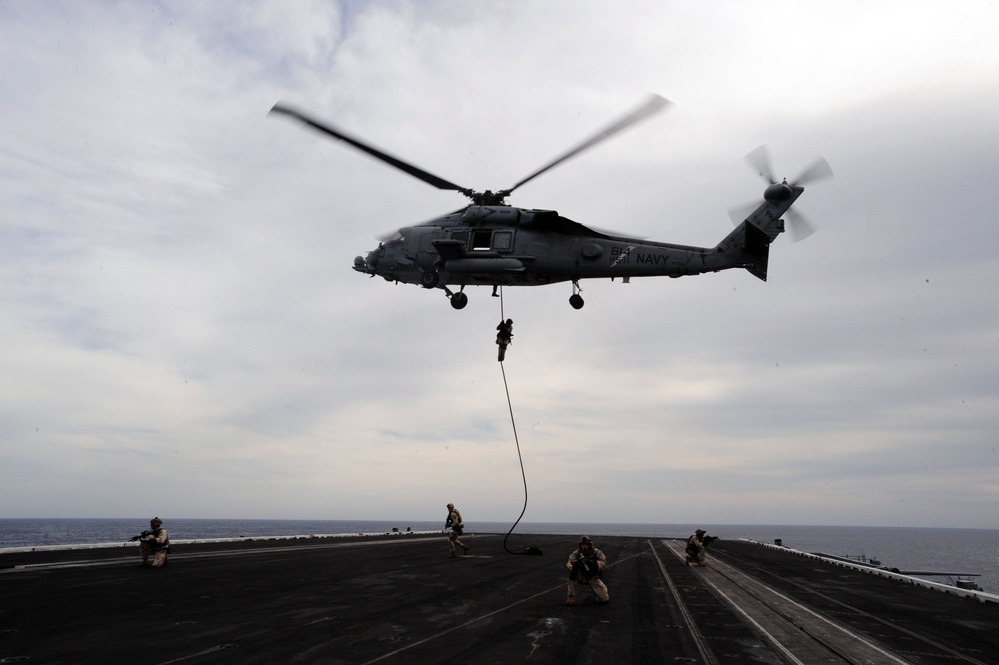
{"points": [[504, 337]]}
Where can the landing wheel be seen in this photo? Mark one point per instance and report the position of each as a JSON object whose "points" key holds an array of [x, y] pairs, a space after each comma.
{"points": [[459, 300], [430, 279]]}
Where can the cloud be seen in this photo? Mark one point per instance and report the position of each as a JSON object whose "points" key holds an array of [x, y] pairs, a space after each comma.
{"points": [[179, 305]]}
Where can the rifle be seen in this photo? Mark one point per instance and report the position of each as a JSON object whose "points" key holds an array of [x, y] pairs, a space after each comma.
{"points": [[141, 536], [585, 568]]}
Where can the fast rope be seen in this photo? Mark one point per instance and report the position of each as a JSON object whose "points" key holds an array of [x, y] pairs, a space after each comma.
{"points": [[528, 550]]}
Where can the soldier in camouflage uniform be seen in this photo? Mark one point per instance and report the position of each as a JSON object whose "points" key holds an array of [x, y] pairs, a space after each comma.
{"points": [[586, 566], [155, 543], [457, 528]]}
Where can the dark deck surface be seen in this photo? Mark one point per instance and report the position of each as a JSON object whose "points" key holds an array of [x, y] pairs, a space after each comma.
{"points": [[399, 599]]}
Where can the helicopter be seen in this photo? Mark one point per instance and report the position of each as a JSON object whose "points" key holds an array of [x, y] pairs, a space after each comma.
{"points": [[491, 243]]}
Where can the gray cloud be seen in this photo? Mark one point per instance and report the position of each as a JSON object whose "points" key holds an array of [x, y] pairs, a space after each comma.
{"points": [[179, 305]]}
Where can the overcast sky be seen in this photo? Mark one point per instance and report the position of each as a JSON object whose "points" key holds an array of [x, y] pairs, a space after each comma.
{"points": [[182, 333]]}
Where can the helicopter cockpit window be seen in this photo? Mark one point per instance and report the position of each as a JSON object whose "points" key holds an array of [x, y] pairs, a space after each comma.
{"points": [[503, 241], [396, 237], [460, 236]]}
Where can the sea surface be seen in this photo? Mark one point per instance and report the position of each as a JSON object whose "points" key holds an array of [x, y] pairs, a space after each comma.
{"points": [[970, 551]]}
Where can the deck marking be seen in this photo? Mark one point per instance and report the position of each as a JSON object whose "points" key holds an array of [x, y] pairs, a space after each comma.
{"points": [[218, 647], [783, 649], [702, 645], [459, 626], [894, 626], [561, 585]]}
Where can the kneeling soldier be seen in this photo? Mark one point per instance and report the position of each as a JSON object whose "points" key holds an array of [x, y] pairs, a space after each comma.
{"points": [[586, 566], [155, 542]]}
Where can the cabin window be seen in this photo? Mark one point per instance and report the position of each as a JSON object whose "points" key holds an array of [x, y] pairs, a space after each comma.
{"points": [[503, 241], [460, 236], [482, 239]]}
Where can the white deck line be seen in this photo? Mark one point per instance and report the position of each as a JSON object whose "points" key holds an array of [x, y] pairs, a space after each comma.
{"points": [[980, 596]]}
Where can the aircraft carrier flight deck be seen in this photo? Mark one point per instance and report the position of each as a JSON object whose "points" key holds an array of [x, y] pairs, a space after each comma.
{"points": [[398, 598]]}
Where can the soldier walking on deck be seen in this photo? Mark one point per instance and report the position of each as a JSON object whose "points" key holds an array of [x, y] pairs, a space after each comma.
{"points": [[457, 528], [695, 548], [155, 542], [586, 566]]}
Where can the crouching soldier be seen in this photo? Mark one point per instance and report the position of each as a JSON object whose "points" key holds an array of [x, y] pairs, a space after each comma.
{"points": [[155, 542], [695, 548], [586, 566]]}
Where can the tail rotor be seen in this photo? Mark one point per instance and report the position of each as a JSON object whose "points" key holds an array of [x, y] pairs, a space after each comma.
{"points": [[759, 159]]}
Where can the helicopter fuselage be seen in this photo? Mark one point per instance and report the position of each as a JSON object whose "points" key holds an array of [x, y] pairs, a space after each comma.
{"points": [[510, 246]]}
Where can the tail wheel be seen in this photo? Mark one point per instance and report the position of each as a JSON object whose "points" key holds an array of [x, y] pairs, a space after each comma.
{"points": [[576, 301], [459, 300]]}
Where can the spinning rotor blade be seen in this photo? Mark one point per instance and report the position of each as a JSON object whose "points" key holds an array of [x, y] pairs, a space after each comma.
{"points": [[820, 170], [799, 226], [759, 159], [651, 106], [429, 178], [739, 214]]}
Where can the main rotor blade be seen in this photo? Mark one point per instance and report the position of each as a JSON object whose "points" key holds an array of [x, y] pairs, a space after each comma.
{"points": [[429, 178], [759, 159], [817, 171], [652, 105]]}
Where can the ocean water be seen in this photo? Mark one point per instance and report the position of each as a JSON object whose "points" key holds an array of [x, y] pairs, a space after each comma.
{"points": [[906, 548]]}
